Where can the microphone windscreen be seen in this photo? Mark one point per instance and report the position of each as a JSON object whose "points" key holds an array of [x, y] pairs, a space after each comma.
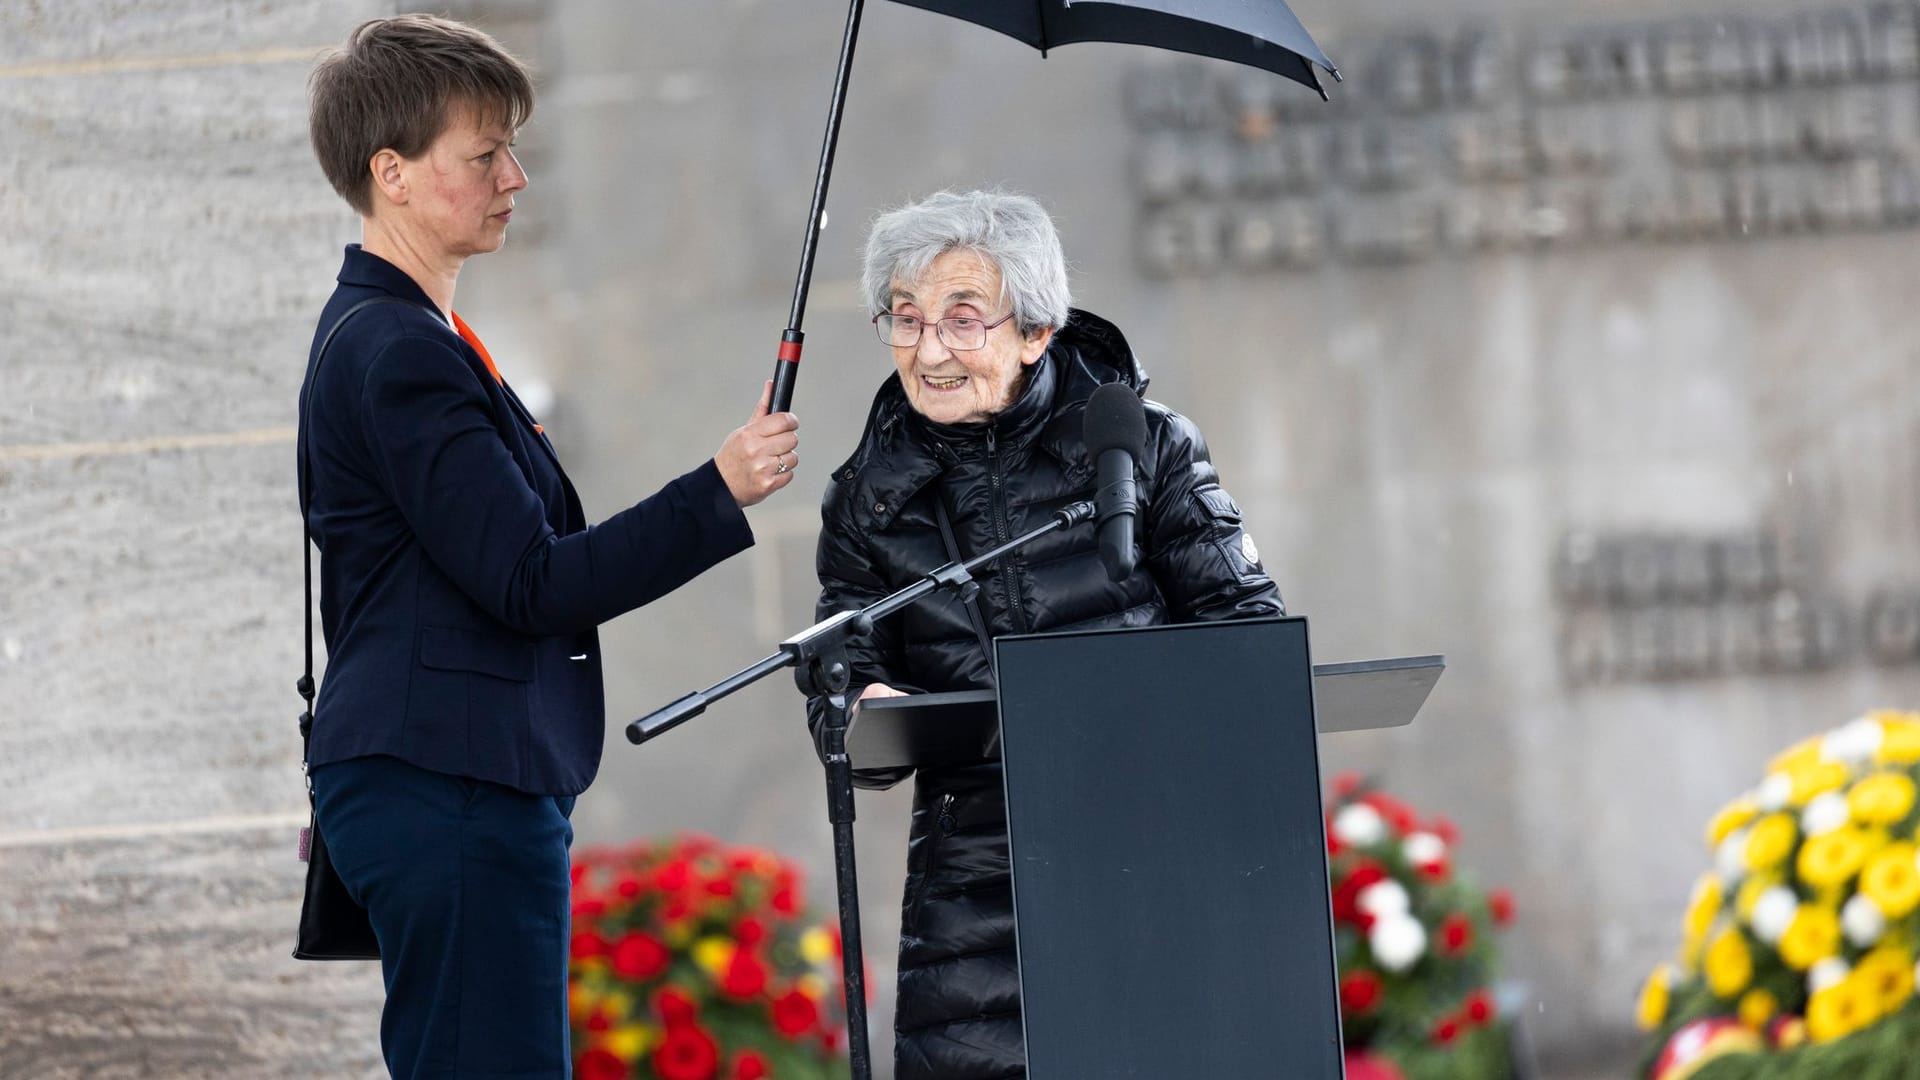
{"points": [[1115, 420]]}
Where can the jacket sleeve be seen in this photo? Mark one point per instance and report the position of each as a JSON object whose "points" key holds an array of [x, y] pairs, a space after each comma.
{"points": [[849, 580], [1196, 545], [433, 438]]}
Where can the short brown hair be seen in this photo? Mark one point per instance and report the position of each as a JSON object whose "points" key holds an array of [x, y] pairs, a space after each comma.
{"points": [[394, 86]]}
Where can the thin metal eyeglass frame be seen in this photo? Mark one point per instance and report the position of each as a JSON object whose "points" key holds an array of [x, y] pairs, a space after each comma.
{"points": [[887, 340]]}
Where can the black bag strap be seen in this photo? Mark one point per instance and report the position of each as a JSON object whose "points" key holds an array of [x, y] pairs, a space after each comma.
{"points": [[305, 473], [972, 599]]}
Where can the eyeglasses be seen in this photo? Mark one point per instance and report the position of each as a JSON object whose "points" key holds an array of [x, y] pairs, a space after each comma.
{"points": [[960, 333]]}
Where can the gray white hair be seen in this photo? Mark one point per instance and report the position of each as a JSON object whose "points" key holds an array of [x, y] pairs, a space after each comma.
{"points": [[1013, 232]]}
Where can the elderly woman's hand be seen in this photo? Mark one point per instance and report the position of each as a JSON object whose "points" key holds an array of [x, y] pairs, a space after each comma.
{"points": [[759, 458]]}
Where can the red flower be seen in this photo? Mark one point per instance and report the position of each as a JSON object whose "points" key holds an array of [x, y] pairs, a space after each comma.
{"points": [[745, 975], [1456, 934], [750, 931], [676, 909], [785, 900], [720, 886], [673, 876], [600, 1020], [1345, 784], [599, 1064], [1478, 1008], [629, 885], [1359, 991], [577, 873], [794, 1013], [1446, 1030], [1346, 894], [1398, 814], [640, 955], [589, 907], [750, 1065], [587, 944], [687, 1053], [1500, 902], [1435, 871], [675, 1008]]}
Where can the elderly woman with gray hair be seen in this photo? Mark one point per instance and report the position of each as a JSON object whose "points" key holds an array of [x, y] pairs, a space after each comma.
{"points": [[975, 439]]}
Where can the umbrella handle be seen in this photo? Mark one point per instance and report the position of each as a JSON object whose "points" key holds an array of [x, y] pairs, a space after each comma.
{"points": [[786, 369]]}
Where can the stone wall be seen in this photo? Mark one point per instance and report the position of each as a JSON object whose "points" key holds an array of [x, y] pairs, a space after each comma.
{"points": [[164, 241]]}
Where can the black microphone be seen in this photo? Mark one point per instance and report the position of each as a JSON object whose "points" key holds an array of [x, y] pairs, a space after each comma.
{"points": [[1116, 435]]}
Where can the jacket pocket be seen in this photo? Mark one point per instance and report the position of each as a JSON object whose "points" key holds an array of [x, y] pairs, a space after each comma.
{"points": [[445, 648], [1220, 505]]}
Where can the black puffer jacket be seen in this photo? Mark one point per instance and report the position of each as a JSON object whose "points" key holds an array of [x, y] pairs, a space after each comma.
{"points": [[959, 1000]]}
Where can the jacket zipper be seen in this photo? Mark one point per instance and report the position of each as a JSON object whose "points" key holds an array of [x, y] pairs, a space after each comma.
{"points": [[944, 825], [1003, 531]]}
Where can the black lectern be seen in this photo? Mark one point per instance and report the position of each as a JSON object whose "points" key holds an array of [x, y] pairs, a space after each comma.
{"points": [[1167, 844]]}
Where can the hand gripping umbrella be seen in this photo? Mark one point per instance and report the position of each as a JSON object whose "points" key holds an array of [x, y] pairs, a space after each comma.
{"points": [[1258, 33]]}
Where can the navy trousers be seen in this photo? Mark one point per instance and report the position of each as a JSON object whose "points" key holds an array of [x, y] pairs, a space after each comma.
{"points": [[466, 883]]}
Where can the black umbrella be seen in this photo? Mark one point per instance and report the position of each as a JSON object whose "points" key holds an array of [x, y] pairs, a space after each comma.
{"points": [[1258, 33]]}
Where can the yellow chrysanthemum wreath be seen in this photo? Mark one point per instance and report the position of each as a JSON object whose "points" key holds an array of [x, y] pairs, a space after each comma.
{"points": [[1805, 931]]}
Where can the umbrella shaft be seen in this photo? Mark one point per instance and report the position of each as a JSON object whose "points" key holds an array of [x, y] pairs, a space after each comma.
{"points": [[825, 174]]}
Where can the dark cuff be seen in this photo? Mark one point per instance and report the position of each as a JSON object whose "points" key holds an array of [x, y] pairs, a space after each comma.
{"points": [[708, 491]]}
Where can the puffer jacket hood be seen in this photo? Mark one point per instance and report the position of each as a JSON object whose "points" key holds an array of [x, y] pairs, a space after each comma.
{"points": [[958, 1015]]}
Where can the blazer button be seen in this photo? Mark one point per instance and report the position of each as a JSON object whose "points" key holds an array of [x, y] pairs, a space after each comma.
{"points": [[879, 508]]}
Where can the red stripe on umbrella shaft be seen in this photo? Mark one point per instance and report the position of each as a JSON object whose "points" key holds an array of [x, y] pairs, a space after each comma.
{"points": [[789, 352]]}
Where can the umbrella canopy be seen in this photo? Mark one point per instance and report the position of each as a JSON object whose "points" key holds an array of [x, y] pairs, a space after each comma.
{"points": [[1257, 33]]}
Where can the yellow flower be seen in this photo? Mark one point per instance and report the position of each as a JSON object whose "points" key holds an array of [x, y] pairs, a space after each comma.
{"points": [[1881, 799], [816, 946], [1731, 816], [1812, 936], [1901, 742], [580, 1000], [713, 954], [1750, 893], [1805, 752], [812, 985], [1831, 858], [1886, 974], [1757, 1007], [1839, 1011], [1729, 965], [1891, 879], [629, 1041], [1654, 997], [1707, 895], [1816, 778], [1769, 841]]}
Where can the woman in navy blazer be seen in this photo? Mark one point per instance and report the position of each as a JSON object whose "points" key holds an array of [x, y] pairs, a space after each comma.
{"points": [[461, 583]]}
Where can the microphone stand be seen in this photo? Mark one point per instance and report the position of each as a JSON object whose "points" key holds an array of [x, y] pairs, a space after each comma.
{"points": [[818, 656]]}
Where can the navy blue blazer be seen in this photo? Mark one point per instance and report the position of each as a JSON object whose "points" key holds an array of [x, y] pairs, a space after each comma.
{"points": [[460, 584]]}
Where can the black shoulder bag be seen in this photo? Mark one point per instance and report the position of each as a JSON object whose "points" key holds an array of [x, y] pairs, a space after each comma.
{"points": [[332, 925]]}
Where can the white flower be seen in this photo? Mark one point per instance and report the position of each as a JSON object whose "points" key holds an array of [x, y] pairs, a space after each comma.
{"points": [[1824, 814], [1774, 792], [1862, 920], [1854, 742], [1773, 913], [1829, 972], [1359, 825], [1383, 899], [1730, 858], [1422, 848], [1397, 942]]}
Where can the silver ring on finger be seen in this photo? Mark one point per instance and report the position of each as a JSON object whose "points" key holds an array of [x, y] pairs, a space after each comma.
{"points": [[779, 465]]}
